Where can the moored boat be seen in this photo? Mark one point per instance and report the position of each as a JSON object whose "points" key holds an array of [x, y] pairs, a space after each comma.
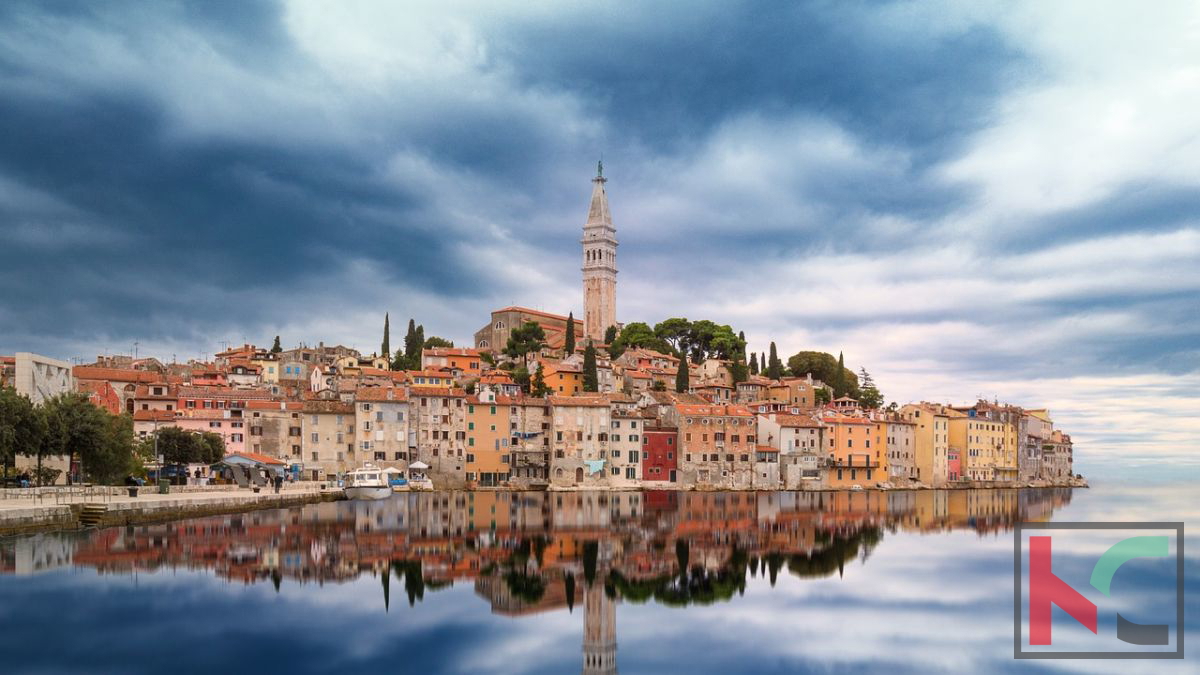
{"points": [[368, 482]]}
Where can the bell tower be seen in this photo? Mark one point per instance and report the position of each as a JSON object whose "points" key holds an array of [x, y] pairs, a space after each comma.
{"points": [[599, 264]]}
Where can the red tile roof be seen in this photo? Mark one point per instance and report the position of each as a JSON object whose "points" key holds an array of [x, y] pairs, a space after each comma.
{"points": [[256, 457]]}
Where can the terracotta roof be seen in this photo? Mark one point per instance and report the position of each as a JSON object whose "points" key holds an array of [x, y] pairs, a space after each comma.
{"points": [[714, 410], [796, 421], [256, 457], [115, 374], [439, 391], [526, 310], [592, 400], [274, 405], [381, 394], [451, 351], [152, 415], [328, 407], [224, 393], [766, 448]]}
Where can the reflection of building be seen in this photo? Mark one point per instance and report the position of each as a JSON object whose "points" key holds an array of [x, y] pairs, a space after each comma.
{"points": [[599, 631]]}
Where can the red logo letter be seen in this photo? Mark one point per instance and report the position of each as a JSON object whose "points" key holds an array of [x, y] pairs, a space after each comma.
{"points": [[1045, 588]]}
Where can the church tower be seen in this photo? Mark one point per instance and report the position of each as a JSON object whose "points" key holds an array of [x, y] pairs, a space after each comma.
{"points": [[599, 264]]}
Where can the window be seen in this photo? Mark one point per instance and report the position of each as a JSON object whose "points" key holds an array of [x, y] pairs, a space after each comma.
{"points": [[315, 438]]}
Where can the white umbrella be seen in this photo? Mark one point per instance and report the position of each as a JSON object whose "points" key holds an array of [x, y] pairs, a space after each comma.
{"points": [[418, 465], [392, 469]]}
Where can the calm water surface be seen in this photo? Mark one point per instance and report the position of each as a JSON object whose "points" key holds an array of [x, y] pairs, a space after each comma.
{"points": [[556, 583]]}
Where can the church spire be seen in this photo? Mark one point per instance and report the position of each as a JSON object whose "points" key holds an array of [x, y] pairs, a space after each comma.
{"points": [[599, 263]]}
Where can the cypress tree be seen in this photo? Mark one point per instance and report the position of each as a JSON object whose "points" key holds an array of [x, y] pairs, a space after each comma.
{"points": [[276, 348], [753, 363], [774, 366], [386, 348], [591, 380], [610, 335], [681, 376], [569, 345], [539, 388], [839, 385]]}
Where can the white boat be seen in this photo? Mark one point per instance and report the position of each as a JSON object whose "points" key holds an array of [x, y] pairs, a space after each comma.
{"points": [[369, 482]]}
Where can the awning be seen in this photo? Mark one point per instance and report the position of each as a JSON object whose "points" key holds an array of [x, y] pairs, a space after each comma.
{"points": [[418, 465]]}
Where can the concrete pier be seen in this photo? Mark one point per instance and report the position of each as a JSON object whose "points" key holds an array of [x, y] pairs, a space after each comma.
{"points": [[32, 511]]}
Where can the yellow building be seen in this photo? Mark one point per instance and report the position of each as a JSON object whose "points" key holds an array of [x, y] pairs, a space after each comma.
{"points": [[981, 444], [563, 379], [854, 455], [932, 437], [489, 433]]}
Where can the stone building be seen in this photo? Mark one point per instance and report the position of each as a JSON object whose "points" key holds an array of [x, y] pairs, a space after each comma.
{"points": [[382, 418], [580, 440], [717, 444], [327, 429], [439, 414]]}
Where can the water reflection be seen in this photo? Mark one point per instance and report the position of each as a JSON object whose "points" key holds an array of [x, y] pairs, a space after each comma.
{"points": [[533, 552]]}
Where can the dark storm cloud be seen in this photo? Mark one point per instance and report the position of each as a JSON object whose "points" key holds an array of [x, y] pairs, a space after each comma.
{"points": [[187, 172], [667, 76]]}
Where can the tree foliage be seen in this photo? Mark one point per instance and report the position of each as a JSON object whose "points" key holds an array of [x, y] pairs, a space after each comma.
{"points": [[569, 340], [753, 363], [591, 379], [524, 340], [538, 387], [681, 377], [774, 365], [610, 335], [276, 347], [824, 367], [179, 446], [434, 341], [386, 347], [21, 426], [869, 395]]}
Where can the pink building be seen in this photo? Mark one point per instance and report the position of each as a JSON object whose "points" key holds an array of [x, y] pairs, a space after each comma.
{"points": [[232, 429], [953, 464]]}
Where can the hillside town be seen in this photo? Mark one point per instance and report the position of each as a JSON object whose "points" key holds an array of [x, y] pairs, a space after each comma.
{"points": [[547, 401]]}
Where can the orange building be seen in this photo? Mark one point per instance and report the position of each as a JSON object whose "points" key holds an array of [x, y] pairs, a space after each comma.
{"points": [[855, 456]]}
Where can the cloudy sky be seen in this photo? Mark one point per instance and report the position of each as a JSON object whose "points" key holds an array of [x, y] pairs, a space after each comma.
{"points": [[994, 199]]}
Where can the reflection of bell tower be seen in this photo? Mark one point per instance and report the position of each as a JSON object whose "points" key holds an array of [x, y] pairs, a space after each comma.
{"points": [[599, 632]]}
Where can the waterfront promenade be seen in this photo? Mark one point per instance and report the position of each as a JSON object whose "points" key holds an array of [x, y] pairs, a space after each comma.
{"points": [[34, 509]]}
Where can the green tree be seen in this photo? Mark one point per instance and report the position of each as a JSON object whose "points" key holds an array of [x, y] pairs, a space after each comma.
{"points": [[658, 385], [774, 365], [178, 446], [869, 395], [435, 341], [276, 348], [822, 396], [73, 425], [639, 335], [386, 348], [753, 363], [538, 387], [569, 344], [21, 426], [115, 458], [520, 375], [591, 380], [839, 377], [524, 340], [681, 376], [610, 335], [738, 371], [824, 367], [211, 448], [676, 332]]}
